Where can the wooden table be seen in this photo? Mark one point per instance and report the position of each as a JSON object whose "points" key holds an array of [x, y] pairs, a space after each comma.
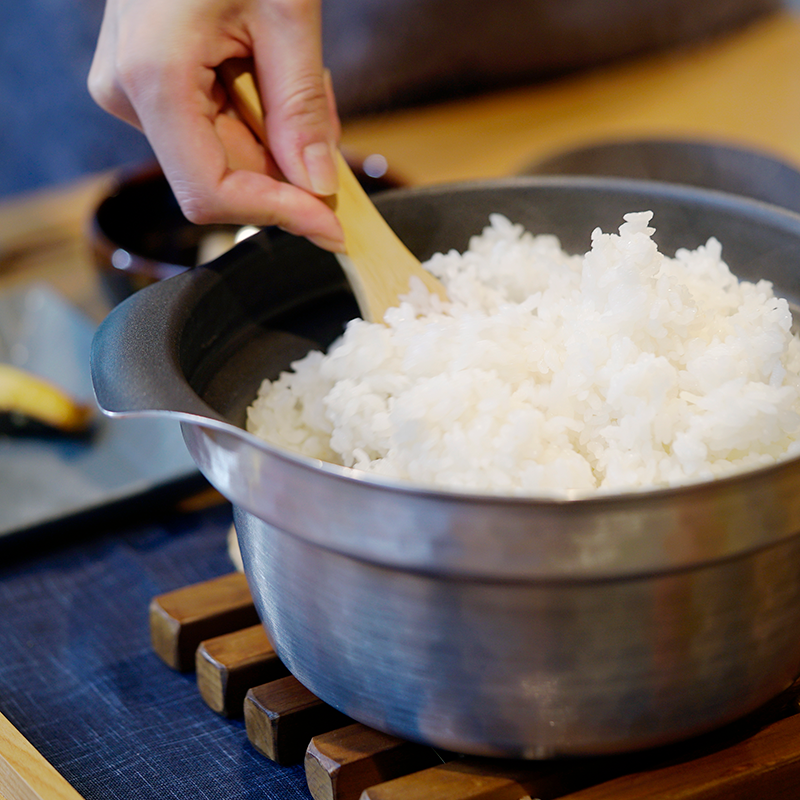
{"points": [[741, 89]]}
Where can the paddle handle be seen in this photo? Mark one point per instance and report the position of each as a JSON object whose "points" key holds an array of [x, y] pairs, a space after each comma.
{"points": [[240, 83], [241, 86], [378, 266]]}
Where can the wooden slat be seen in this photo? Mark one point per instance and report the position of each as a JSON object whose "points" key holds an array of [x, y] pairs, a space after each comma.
{"points": [[281, 717], [472, 778], [458, 780], [758, 756], [180, 620], [25, 774], [344, 762], [229, 665], [760, 752], [764, 765]]}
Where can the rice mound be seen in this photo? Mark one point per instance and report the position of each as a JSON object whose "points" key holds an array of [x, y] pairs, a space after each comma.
{"points": [[554, 373]]}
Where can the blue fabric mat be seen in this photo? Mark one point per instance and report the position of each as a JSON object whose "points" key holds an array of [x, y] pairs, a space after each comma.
{"points": [[79, 679]]}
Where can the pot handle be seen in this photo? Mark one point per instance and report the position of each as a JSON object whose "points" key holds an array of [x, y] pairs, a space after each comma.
{"points": [[134, 367]]}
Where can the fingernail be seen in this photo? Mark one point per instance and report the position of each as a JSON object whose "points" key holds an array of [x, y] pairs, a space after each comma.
{"points": [[321, 167], [333, 245]]}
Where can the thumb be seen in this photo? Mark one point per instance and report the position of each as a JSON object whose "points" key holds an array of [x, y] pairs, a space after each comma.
{"points": [[302, 127]]}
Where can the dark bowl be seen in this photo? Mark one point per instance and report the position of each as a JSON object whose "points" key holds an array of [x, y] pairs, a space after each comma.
{"points": [[139, 235]]}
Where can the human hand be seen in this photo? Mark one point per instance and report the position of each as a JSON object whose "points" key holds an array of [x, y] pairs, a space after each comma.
{"points": [[155, 67]]}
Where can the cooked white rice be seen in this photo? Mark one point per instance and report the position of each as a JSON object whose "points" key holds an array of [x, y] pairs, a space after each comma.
{"points": [[617, 369]]}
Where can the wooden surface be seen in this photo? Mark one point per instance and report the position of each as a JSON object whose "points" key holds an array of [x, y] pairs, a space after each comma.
{"points": [[43, 238], [764, 765], [743, 88], [24, 772]]}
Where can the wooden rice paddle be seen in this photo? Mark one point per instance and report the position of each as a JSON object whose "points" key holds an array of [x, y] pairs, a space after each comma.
{"points": [[377, 264]]}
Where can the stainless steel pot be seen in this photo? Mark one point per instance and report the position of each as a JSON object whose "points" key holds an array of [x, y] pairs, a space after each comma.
{"points": [[481, 624]]}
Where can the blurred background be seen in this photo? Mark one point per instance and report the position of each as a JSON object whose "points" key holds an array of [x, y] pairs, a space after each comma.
{"points": [[383, 54]]}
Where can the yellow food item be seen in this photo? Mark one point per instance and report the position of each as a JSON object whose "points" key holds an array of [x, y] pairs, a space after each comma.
{"points": [[26, 394]]}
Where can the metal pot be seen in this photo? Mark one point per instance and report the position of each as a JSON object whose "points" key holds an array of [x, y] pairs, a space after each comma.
{"points": [[482, 624]]}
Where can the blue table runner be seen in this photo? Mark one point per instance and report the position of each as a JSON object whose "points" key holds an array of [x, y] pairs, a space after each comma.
{"points": [[80, 681]]}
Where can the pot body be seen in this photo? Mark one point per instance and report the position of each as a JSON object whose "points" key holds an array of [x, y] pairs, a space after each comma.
{"points": [[529, 668], [485, 624]]}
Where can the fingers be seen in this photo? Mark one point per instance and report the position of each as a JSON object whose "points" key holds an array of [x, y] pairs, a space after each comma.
{"points": [[225, 175], [154, 67], [260, 200], [102, 82], [302, 125]]}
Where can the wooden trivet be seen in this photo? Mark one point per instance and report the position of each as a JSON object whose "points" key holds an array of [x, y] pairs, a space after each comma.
{"points": [[181, 620], [238, 674]]}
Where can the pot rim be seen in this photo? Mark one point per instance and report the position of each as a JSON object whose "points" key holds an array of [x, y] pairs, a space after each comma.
{"points": [[163, 309]]}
